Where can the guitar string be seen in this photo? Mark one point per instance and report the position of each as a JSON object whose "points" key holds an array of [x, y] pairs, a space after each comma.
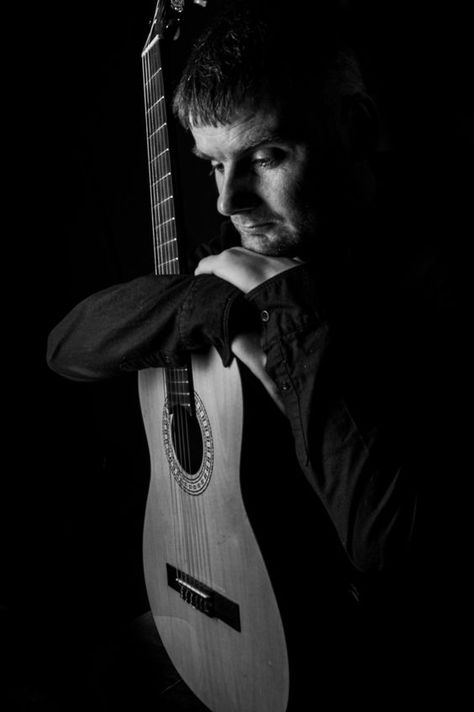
{"points": [[192, 516], [154, 176], [169, 264], [192, 505]]}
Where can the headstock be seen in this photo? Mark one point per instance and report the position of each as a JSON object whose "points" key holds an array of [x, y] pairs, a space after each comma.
{"points": [[167, 18]]}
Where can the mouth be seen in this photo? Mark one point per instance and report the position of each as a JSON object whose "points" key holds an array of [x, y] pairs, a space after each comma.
{"points": [[252, 227]]}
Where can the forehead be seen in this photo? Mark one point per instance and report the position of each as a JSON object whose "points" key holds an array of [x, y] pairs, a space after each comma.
{"points": [[247, 131]]}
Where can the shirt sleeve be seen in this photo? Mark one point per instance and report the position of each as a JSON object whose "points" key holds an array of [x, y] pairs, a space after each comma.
{"points": [[352, 453], [149, 321]]}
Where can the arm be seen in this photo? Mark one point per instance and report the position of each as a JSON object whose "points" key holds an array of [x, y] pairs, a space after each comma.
{"points": [[149, 321]]}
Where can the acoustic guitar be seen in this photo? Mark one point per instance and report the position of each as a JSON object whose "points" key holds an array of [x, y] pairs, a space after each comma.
{"points": [[208, 585]]}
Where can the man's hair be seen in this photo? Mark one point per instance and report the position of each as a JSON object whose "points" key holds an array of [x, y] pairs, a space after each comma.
{"points": [[256, 52]]}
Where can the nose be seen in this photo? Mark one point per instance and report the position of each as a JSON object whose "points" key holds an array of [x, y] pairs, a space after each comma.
{"points": [[237, 193]]}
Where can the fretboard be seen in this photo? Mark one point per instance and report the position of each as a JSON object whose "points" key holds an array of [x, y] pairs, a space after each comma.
{"points": [[163, 214]]}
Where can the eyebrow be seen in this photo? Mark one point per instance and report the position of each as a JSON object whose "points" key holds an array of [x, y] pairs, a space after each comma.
{"points": [[262, 141], [200, 154]]}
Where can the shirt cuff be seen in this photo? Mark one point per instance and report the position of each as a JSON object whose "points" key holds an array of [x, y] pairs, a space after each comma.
{"points": [[287, 303], [213, 312]]}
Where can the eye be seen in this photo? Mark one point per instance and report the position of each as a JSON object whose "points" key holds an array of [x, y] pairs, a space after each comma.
{"points": [[268, 158], [263, 162]]}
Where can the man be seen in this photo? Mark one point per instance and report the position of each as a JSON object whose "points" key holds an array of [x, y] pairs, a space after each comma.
{"points": [[309, 287]]}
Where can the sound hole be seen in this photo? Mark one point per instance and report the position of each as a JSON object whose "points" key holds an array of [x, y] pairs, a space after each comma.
{"points": [[187, 439]]}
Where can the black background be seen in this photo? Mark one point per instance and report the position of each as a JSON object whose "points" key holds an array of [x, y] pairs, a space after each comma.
{"points": [[75, 468]]}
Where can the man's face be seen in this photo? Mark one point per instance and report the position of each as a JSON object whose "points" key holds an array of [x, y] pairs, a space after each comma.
{"points": [[267, 181]]}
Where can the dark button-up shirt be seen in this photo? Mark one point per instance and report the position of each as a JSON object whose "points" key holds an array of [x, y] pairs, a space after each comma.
{"points": [[346, 381]]}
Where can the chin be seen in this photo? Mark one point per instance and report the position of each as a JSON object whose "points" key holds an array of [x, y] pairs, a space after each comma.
{"points": [[271, 246]]}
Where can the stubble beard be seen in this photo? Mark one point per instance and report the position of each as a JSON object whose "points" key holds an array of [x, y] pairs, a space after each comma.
{"points": [[281, 241]]}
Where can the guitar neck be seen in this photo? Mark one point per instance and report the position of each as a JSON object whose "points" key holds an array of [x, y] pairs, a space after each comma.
{"points": [[178, 381], [162, 199]]}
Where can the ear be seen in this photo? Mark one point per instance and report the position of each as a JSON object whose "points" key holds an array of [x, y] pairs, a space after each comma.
{"points": [[360, 124]]}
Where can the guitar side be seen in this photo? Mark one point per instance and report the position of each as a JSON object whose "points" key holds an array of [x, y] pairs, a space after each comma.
{"points": [[208, 587]]}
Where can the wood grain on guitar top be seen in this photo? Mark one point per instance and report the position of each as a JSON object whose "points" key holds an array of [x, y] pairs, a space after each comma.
{"points": [[207, 538]]}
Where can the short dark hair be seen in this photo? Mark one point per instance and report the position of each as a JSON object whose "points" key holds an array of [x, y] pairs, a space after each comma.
{"points": [[254, 52]]}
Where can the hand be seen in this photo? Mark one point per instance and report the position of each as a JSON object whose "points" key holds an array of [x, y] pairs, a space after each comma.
{"points": [[243, 268], [247, 348]]}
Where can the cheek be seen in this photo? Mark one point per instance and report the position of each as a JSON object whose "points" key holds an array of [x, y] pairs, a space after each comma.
{"points": [[285, 191], [297, 197]]}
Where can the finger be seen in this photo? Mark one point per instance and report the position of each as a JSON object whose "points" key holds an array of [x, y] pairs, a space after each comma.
{"points": [[205, 266]]}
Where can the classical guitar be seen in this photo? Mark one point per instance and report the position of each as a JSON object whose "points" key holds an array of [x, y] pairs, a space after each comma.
{"points": [[209, 589]]}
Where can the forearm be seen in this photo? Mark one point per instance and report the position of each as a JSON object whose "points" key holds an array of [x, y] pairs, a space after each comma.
{"points": [[150, 321]]}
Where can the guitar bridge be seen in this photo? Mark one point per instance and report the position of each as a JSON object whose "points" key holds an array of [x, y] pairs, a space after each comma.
{"points": [[203, 598]]}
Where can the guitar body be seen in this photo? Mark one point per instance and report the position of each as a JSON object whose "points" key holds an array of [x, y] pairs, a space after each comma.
{"points": [[208, 586]]}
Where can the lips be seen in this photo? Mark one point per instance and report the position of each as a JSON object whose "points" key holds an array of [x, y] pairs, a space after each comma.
{"points": [[252, 227]]}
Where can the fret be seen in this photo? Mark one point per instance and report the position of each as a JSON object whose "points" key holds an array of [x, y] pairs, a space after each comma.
{"points": [[169, 262], [180, 383], [185, 402], [165, 243], [167, 246], [152, 56], [179, 373], [161, 153], [179, 387], [166, 222], [165, 258], [176, 395], [162, 212], [154, 99], [162, 204], [155, 104], [159, 180], [160, 162], [165, 200], [151, 77], [160, 128], [159, 189], [161, 220]]}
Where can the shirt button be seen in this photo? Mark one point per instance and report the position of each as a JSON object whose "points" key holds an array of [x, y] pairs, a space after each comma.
{"points": [[264, 315]]}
